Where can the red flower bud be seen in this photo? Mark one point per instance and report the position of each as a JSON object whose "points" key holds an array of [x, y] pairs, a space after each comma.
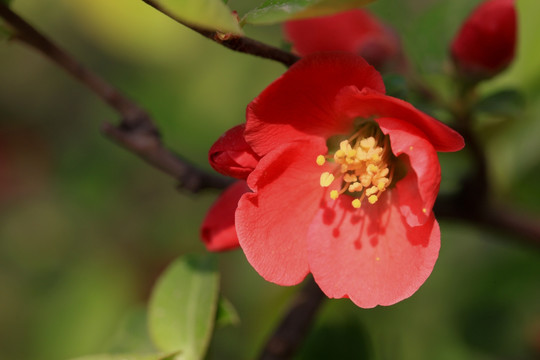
{"points": [[354, 31], [232, 156], [486, 42]]}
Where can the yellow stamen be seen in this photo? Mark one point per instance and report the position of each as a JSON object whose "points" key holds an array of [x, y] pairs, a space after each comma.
{"points": [[356, 186], [326, 179], [372, 190], [363, 165], [367, 143], [373, 169]]}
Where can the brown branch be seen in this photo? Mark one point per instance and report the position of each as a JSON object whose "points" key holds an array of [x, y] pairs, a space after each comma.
{"points": [[521, 227], [295, 324], [513, 223], [234, 42], [149, 147], [25, 33], [136, 132]]}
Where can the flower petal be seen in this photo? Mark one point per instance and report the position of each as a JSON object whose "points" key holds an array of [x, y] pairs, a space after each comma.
{"points": [[217, 231], [231, 155], [355, 31], [353, 102], [272, 222], [418, 190], [300, 104], [370, 255]]}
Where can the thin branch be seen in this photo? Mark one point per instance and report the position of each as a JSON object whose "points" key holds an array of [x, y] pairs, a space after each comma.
{"points": [[521, 227], [295, 324], [514, 224], [234, 42], [26, 33], [149, 147], [137, 132]]}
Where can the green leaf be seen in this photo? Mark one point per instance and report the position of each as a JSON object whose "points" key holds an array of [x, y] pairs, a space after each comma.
{"points": [[274, 11], [208, 14], [226, 313], [183, 306], [507, 103], [128, 357]]}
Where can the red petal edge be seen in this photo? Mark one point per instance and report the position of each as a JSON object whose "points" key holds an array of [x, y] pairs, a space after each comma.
{"points": [[218, 231], [272, 222], [418, 190], [300, 104], [370, 255], [366, 103]]}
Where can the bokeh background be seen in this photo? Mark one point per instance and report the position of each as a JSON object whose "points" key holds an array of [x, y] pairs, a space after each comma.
{"points": [[86, 227]]}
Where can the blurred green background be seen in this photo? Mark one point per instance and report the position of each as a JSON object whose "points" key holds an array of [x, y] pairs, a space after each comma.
{"points": [[85, 227]]}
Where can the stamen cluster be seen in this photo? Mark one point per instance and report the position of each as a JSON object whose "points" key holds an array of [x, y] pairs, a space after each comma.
{"points": [[363, 167]]}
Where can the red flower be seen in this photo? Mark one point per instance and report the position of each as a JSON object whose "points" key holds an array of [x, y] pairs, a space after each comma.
{"points": [[345, 184], [355, 31], [486, 42]]}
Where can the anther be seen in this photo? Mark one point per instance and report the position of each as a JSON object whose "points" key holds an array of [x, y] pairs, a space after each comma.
{"points": [[373, 199], [362, 166], [326, 179], [373, 169], [349, 178], [356, 186], [372, 190], [367, 143]]}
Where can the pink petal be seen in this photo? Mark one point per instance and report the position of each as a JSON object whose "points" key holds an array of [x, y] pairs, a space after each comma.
{"points": [[300, 104], [217, 231], [370, 255], [418, 190], [366, 103], [272, 222]]}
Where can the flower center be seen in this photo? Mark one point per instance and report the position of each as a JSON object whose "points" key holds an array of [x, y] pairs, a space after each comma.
{"points": [[364, 163]]}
